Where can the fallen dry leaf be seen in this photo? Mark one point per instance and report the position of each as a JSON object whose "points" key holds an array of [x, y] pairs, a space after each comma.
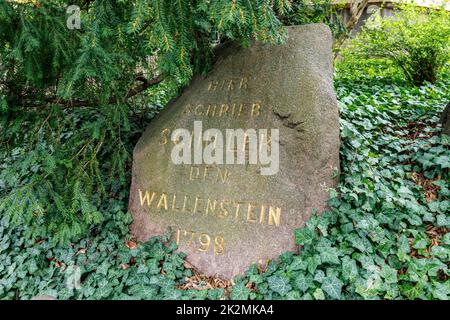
{"points": [[81, 251], [430, 190], [131, 244], [124, 266], [202, 282]]}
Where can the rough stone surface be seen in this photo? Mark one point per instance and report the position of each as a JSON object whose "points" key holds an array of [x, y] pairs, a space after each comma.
{"points": [[292, 84], [445, 120]]}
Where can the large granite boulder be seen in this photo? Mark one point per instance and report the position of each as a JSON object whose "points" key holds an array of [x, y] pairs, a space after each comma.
{"points": [[226, 217]]}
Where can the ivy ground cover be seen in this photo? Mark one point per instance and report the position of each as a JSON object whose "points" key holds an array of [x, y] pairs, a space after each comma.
{"points": [[386, 235]]}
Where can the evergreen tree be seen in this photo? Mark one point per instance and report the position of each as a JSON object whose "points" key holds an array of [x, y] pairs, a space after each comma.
{"points": [[70, 97]]}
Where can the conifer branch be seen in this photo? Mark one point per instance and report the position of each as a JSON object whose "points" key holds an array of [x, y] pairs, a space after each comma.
{"points": [[113, 100]]}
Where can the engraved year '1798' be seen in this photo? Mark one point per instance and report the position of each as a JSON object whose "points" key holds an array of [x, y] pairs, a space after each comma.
{"points": [[204, 241]]}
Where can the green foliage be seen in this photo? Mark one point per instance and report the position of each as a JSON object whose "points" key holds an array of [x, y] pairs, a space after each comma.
{"points": [[69, 109], [109, 269], [118, 36], [44, 182], [68, 128], [352, 66], [319, 11], [374, 243], [240, 292], [413, 43]]}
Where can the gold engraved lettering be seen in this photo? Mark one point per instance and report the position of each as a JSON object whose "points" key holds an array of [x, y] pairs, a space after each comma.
{"points": [[178, 237], [223, 174], [185, 209], [223, 109], [146, 197], [198, 110], [223, 85], [164, 136], [241, 107], [211, 111], [238, 207], [211, 207], [196, 205], [205, 241], [218, 110], [262, 214], [162, 202], [250, 214], [233, 109], [265, 142], [191, 174], [209, 173], [219, 246], [223, 210], [244, 83], [174, 201], [256, 110], [188, 109], [213, 85], [231, 85], [205, 172], [238, 211]]}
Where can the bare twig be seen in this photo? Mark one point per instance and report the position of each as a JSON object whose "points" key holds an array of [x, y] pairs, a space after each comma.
{"points": [[113, 100]]}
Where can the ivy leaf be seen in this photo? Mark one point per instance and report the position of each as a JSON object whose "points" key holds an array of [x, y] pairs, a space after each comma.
{"points": [[313, 263], [256, 278], [279, 284], [172, 294], [349, 269], [304, 236], [404, 191], [239, 292], [412, 292], [330, 255], [318, 294], [443, 161], [32, 267], [293, 295], [319, 276], [298, 264], [440, 252], [442, 220], [303, 283], [389, 274], [103, 267], [403, 248], [357, 242], [441, 291], [216, 294], [446, 239], [420, 244]]}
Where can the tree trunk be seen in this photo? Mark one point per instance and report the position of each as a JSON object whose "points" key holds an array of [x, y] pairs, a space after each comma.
{"points": [[445, 120], [357, 8]]}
